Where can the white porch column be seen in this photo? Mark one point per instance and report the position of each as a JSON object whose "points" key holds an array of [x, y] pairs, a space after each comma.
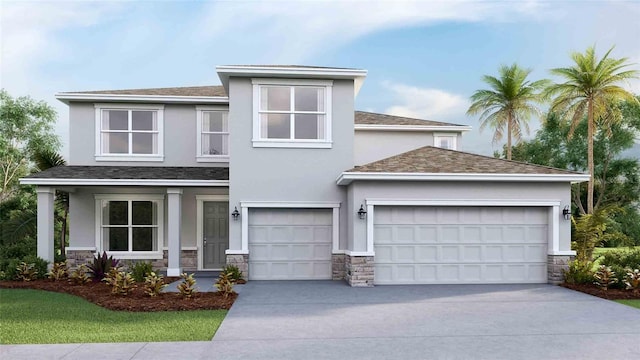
{"points": [[174, 222], [46, 197]]}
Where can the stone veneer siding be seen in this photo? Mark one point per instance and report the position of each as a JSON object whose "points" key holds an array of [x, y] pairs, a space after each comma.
{"points": [[338, 269], [359, 270], [556, 266], [241, 261], [188, 261]]}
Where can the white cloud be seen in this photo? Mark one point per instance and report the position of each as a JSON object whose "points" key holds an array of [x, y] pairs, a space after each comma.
{"points": [[426, 103], [283, 31]]}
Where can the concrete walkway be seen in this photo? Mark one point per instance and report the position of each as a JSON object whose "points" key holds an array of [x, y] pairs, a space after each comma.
{"points": [[329, 320]]}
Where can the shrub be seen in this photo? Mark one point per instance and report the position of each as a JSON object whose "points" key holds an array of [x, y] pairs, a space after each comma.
{"points": [[11, 269], [233, 272], [591, 230], [605, 277], [39, 264], [154, 284], [188, 285], [59, 271], [225, 284], [140, 270], [580, 272], [122, 283], [80, 275], [101, 266], [26, 272], [632, 280], [619, 261]]}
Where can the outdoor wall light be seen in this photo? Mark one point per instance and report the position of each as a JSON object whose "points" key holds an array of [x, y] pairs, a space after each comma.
{"points": [[566, 212], [362, 213], [235, 213]]}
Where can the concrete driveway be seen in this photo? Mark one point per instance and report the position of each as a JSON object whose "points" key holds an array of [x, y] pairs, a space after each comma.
{"points": [[328, 320]]}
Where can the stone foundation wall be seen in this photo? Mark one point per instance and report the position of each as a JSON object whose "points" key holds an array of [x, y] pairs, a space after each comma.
{"points": [[242, 262], [189, 260], [556, 266], [338, 269], [359, 270]]}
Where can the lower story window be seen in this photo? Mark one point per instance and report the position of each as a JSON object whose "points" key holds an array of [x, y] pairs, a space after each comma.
{"points": [[131, 225]]}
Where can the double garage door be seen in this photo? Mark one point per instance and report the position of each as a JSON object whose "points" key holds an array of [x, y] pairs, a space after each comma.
{"points": [[460, 245], [290, 244]]}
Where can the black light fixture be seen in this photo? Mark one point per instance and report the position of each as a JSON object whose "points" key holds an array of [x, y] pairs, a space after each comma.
{"points": [[235, 213], [566, 212], [362, 213]]}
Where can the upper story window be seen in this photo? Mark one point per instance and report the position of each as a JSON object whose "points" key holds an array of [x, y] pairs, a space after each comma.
{"points": [[129, 132], [213, 134], [445, 141], [292, 113]]}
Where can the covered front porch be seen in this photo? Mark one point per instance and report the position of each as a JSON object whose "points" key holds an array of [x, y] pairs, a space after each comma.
{"points": [[176, 218]]}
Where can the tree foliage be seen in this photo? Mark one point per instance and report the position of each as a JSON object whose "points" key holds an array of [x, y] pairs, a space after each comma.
{"points": [[617, 179], [509, 103], [592, 87], [26, 126]]}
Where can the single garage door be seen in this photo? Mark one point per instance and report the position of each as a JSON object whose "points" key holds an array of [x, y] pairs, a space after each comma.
{"points": [[290, 244], [460, 245]]}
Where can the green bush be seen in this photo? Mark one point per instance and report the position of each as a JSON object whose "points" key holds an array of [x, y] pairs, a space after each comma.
{"points": [[121, 282], [80, 275], [233, 272], [39, 264], [619, 261], [26, 272], [140, 270], [59, 271], [580, 272], [18, 250]]}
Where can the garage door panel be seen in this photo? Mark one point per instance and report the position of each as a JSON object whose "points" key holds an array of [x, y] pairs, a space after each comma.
{"points": [[487, 245], [290, 244]]}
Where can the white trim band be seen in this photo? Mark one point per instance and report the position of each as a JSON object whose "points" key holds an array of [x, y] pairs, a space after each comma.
{"points": [[67, 97], [374, 127], [347, 177]]}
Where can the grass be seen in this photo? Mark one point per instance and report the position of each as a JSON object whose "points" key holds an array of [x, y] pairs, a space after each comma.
{"points": [[42, 317], [632, 303]]}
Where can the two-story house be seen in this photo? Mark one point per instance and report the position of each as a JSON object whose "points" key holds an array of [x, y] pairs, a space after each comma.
{"points": [[275, 171]]}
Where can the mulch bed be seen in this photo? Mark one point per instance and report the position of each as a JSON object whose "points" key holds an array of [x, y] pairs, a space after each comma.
{"points": [[100, 294], [610, 294]]}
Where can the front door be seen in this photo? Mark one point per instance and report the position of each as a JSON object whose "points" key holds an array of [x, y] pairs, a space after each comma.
{"points": [[215, 233]]}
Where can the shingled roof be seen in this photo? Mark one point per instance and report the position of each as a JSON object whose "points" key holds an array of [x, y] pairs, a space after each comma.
{"points": [[117, 173], [369, 118], [431, 159], [216, 91]]}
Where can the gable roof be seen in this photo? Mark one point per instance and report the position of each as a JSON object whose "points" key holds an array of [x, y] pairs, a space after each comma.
{"points": [[436, 164], [130, 175], [370, 118]]}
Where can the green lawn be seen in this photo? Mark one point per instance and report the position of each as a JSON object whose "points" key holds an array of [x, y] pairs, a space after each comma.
{"points": [[633, 303], [38, 317]]}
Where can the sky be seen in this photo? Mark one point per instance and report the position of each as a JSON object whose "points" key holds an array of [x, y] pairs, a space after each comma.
{"points": [[424, 58]]}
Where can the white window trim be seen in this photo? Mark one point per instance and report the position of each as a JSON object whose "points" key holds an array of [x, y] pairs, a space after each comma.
{"points": [[130, 197], [99, 156], [199, 156], [325, 143], [244, 217], [200, 199], [438, 136]]}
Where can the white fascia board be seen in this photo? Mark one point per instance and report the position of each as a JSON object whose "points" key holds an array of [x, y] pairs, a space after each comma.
{"points": [[226, 71], [437, 128], [462, 202], [121, 182], [347, 177], [289, 204], [67, 97]]}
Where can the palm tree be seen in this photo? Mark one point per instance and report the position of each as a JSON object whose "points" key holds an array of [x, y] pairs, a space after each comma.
{"points": [[46, 159], [508, 103], [591, 85]]}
